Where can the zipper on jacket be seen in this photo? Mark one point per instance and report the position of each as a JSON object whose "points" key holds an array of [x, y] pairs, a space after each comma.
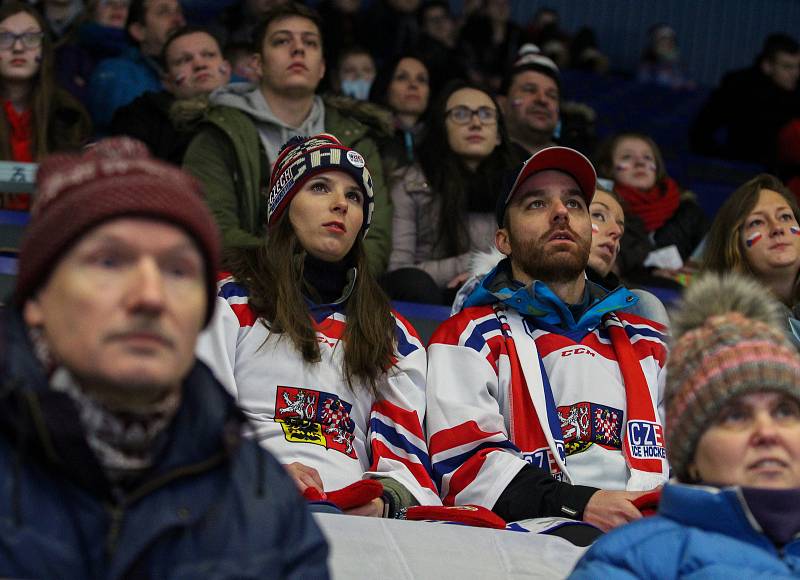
{"points": [[117, 513]]}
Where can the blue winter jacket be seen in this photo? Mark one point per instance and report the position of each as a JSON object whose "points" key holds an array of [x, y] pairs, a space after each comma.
{"points": [[699, 532], [115, 82], [214, 505]]}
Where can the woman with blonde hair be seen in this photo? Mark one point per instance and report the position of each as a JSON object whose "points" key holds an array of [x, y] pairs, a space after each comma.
{"points": [[757, 232]]}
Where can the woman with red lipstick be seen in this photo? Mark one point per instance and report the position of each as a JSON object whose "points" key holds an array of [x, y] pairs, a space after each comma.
{"points": [[332, 380], [667, 218], [732, 509], [38, 117], [444, 203], [757, 232]]}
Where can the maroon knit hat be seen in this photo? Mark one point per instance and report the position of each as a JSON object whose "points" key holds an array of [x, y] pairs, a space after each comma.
{"points": [[115, 178]]}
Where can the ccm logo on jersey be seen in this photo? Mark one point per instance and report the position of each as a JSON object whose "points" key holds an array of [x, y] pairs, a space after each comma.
{"points": [[579, 350], [646, 440]]}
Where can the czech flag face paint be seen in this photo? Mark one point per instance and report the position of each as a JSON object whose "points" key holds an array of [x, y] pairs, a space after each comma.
{"points": [[795, 230], [753, 239], [596, 230]]}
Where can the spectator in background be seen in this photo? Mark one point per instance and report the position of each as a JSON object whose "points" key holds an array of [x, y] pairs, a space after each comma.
{"points": [[608, 227], [490, 40], [673, 224], [239, 21], [62, 18], [391, 28], [757, 232], [193, 68], [733, 441], [117, 81], [584, 52], [333, 382], [661, 60], [100, 35], [443, 204], [743, 116], [531, 99], [402, 86], [342, 26], [247, 124], [545, 32], [240, 55], [38, 116], [544, 20], [437, 45], [110, 425], [354, 73]]}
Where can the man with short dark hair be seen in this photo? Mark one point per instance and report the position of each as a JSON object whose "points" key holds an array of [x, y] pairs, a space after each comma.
{"points": [[532, 95], [193, 68], [248, 124], [120, 454], [117, 81], [543, 393], [743, 116]]}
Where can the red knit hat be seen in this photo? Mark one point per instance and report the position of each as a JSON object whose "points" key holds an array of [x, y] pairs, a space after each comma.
{"points": [[115, 178]]}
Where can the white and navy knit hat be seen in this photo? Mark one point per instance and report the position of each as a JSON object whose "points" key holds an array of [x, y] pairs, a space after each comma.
{"points": [[301, 158]]}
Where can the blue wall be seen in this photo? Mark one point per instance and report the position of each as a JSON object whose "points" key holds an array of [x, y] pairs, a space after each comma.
{"points": [[714, 35]]}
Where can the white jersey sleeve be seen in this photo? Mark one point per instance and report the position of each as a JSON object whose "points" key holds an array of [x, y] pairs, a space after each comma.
{"points": [[472, 458], [396, 438]]}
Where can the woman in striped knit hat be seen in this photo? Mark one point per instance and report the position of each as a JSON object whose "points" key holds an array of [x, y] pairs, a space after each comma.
{"points": [[332, 380]]}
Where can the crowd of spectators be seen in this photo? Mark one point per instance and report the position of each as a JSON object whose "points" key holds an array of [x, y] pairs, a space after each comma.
{"points": [[246, 185]]}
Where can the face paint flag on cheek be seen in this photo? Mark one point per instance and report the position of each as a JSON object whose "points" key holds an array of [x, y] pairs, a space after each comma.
{"points": [[180, 79], [795, 230], [624, 166], [595, 229], [752, 239]]}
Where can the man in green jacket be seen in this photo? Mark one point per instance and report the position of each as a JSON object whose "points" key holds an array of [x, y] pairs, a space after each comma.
{"points": [[247, 124]]}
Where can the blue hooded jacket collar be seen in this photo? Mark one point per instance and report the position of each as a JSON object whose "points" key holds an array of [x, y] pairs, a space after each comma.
{"points": [[538, 301]]}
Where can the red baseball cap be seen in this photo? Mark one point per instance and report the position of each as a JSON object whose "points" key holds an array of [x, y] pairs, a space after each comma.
{"points": [[563, 159]]}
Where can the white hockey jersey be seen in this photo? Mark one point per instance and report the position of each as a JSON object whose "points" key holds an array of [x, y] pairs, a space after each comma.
{"points": [[306, 412], [473, 364]]}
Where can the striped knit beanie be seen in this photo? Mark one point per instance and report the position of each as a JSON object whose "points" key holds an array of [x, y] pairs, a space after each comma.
{"points": [[727, 342], [301, 158], [114, 178]]}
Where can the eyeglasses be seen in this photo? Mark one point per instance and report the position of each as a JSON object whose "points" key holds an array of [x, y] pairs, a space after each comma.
{"points": [[461, 115], [28, 39]]}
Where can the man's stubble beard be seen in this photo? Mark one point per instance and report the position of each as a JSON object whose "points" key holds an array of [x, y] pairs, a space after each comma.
{"points": [[562, 266]]}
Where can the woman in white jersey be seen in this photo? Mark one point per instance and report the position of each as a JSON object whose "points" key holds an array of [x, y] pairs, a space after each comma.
{"points": [[332, 380]]}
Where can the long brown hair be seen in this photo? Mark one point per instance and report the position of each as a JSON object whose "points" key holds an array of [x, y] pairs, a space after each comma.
{"points": [[723, 251], [41, 92], [273, 275]]}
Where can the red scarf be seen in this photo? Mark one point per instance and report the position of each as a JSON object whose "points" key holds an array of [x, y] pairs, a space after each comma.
{"points": [[655, 205], [21, 141], [642, 444]]}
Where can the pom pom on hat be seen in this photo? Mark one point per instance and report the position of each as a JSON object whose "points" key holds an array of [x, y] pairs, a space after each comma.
{"points": [[727, 342]]}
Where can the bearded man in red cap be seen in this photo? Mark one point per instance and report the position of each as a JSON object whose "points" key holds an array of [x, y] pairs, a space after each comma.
{"points": [[120, 454], [544, 394]]}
